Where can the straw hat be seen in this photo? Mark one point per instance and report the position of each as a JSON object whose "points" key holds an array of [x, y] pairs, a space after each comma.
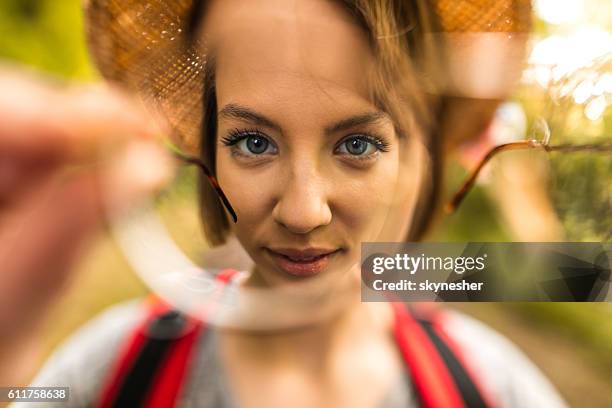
{"points": [[140, 44]]}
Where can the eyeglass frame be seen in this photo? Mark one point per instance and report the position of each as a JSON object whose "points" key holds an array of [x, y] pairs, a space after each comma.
{"points": [[452, 205]]}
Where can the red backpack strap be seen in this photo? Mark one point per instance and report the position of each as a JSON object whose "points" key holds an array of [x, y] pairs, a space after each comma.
{"points": [[153, 362], [440, 378]]}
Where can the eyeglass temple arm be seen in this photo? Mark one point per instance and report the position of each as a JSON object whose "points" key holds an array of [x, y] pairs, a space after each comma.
{"points": [[467, 185], [212, 179]]}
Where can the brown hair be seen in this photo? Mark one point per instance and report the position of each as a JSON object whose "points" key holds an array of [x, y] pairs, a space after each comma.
{"points": [[403, 84]]}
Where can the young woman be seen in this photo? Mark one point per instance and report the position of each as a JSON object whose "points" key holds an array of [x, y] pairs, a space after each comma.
{"points": [[322, 122]]}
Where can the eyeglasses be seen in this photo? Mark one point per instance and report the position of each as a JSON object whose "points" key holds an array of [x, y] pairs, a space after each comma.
{"points": [[540, 126]]}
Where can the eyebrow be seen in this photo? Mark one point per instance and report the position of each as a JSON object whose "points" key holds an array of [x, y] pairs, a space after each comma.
{"points": [[234, 111], [367, 118]]}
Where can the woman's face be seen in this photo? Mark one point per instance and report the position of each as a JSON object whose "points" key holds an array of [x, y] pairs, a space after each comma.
{"points": [[309, 164]]}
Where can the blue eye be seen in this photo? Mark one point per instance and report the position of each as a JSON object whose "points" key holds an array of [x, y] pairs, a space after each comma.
{"points": [[362, 145], [356, 146], [249, 142], [255, 144]]}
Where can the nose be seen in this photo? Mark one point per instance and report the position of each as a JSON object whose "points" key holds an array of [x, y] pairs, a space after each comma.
{"points": [[303, 203]]}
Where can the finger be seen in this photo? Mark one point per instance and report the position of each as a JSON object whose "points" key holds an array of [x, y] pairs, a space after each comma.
{"points": [[19, 175], [39, 118], [40, 240]]}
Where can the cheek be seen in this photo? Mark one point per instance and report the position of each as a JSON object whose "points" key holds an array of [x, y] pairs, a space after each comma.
{"points": [[364, 202], [413, 171], [245, 189]]}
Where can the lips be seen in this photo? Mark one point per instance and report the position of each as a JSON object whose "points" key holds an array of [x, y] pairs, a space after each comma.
{"points": [[302, 262]]}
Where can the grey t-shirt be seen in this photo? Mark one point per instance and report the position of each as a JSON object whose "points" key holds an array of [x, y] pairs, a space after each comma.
{"points": [[83, 361]]}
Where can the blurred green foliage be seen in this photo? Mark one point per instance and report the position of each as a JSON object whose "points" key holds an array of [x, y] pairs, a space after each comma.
{"points": [[45, 34], [582, 185], [590, 324], [460, 226]]}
